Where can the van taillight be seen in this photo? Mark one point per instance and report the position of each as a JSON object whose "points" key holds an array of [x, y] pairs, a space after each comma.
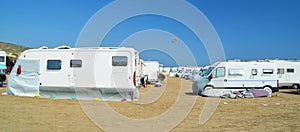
{"points": [[19, 70], [134, 78], [277, 83]]}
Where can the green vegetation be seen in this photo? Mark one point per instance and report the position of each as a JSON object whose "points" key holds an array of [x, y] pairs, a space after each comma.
{"points": [[12, 50]]}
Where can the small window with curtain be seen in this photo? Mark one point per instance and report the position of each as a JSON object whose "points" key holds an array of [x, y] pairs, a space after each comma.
{"points": [[280, 71], [236, 72], [75, 63], [290, 70], [254, 72], [53, 64], [119, 61], [267, 71]]}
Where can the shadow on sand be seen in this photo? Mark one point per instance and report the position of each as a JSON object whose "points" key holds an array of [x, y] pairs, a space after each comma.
{"points": [[191, 94], [295, 92]]}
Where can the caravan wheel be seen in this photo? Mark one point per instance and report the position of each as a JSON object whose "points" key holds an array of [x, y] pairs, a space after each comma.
{"points": [[295, 86], [269, 90]]}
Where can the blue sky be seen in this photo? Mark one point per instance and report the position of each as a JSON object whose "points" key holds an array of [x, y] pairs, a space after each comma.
{"points": [[248, 29]]}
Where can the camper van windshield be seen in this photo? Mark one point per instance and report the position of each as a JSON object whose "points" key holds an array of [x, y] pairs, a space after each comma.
{"points": [[208, 71]]}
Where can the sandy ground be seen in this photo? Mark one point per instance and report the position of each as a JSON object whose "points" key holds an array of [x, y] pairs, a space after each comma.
{"points": [[277, 113]]}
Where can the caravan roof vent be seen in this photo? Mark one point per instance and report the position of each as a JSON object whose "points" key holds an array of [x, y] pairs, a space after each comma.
{"points": [[43, 47], [63, 47]]}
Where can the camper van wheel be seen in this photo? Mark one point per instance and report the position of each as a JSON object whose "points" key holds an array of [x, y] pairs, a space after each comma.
{"points": [[296, 86], [269, 90], [2, 78], [207, 88]]}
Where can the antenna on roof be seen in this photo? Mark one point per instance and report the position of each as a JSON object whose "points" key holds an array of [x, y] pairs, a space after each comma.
{"points": [[43, 47], [63, 47]]}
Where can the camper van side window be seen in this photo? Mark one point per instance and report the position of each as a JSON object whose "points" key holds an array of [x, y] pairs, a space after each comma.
{"points": [[220, 72], [2, 59], [290, 70], [236, 72], [280, 71], [75, 63], [53, 64], [267, 71], [119, 61]]}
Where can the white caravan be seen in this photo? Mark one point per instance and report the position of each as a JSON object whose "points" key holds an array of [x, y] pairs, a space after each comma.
{"points": [[238, 76], [100, 70], [151, 68], [288, 73]]}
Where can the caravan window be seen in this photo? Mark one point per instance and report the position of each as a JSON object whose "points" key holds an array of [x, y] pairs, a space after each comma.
{"points": [[119, 61], [53, 64], [236, 72], [2, 58], [267, 71], [75, 63], [290, 70], [280, 71]]}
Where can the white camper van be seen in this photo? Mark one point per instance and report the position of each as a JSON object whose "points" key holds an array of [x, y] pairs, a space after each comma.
{"points": [[288, 73], [99, 69], [151, 68], [2, 67], [239, 76]]}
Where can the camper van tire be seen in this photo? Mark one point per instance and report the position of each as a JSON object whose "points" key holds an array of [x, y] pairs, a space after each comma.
{"points": [[268, 89], [2, 78], [295, 86], [207, 88]]}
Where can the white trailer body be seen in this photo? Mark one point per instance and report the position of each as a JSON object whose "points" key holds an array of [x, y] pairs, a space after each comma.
{"points": [[151, 68], [238, 75], [288, 73], [140, 71], [109, 70]]}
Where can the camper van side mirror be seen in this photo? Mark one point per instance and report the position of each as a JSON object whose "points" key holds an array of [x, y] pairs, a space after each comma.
{"points": [[210, 77]]}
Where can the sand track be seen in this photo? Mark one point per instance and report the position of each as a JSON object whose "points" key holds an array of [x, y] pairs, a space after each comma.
{"points": [[278, 113]]}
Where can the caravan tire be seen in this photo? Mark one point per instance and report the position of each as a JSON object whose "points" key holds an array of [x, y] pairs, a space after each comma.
{"points": [[295, 86], [268, 89]]}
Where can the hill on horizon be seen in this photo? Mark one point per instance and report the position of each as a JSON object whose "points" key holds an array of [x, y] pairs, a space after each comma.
{"points": [[12, 50]]}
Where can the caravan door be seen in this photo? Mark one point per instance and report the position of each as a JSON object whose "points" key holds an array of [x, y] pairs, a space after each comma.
{"points": [[122, 70]]}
